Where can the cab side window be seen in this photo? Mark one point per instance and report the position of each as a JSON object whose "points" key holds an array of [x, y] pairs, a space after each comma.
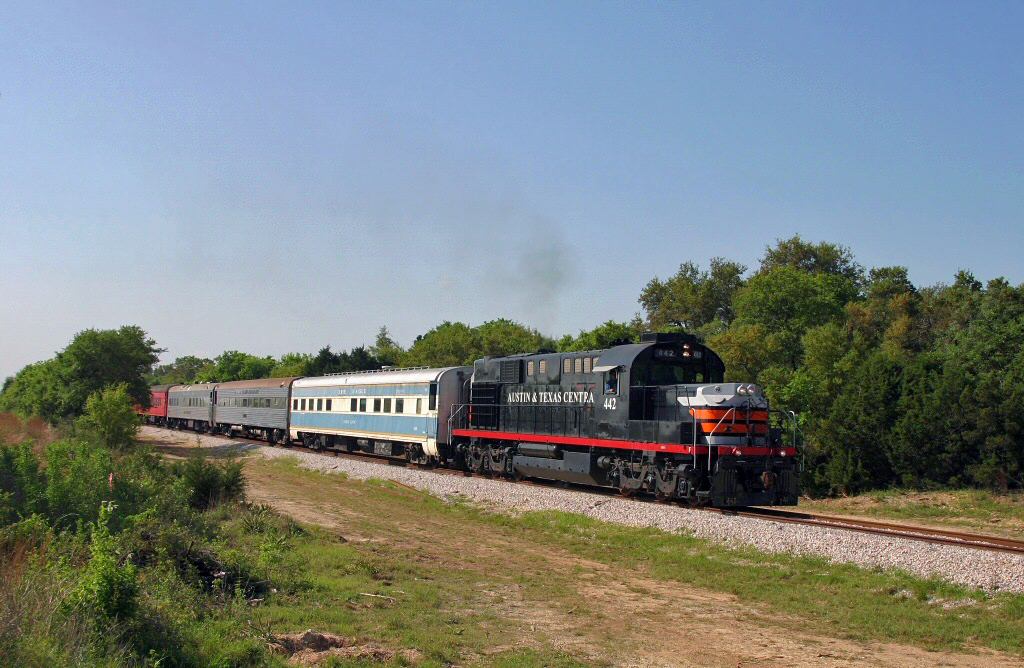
{"points": [[611, 382]]}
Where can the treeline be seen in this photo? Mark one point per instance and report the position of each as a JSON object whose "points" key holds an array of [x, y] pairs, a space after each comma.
{"points": [[893, 384]]}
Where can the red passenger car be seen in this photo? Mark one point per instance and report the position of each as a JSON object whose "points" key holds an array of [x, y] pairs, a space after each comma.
{"points": [[157, 412]]}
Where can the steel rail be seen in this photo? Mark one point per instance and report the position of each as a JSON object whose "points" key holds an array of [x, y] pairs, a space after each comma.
{"points": [[942, 536]]}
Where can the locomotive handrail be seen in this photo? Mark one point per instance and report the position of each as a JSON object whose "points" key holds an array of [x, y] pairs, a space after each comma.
{"points": [[456, 409], [732, 409], [381, 370], [563, 420], [791, 416]]}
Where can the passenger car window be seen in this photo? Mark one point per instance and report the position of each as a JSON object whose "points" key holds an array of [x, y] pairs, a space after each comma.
{"points": [[376, 405], [387, 405], [399, 405], [352, 406], [327, 404], [362, 405], [319, 404], [419, 406]]}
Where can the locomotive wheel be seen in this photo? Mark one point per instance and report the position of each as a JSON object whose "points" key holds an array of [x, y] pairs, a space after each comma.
{"points": [[662, 497], [627, 491]]}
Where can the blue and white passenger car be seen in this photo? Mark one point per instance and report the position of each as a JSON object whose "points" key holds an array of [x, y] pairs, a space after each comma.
{"points": [[392, 412]]}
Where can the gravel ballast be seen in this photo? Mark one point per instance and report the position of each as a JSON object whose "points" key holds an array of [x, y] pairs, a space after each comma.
{"points": [[992, 571]]}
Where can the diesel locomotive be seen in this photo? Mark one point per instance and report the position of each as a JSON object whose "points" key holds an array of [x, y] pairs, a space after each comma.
{"points": [[651, 417]]}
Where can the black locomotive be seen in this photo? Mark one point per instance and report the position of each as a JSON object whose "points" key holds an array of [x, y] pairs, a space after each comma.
{"points": [[652, 416]]}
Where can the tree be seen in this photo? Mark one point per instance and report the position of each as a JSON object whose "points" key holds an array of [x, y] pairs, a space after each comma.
{"points": [[291, 364], [234, 365], [820, 258], [786, 302], [601, 337], [504, 337], [855, 456], [110, 417], [182, 371], [57, 389], [693, 298], [359, 359], [386, 350], [448, 344], [889, 315], [746, 351]]}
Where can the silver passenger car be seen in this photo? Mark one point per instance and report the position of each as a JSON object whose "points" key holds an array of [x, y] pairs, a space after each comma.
{"points": [[190, 406], [257, 408]]}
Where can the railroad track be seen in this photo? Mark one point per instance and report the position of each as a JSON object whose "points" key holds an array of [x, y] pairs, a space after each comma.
{"points": [[939, 536]]}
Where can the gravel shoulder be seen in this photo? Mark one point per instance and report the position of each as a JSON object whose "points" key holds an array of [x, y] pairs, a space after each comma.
{"points": [[964, 566]]}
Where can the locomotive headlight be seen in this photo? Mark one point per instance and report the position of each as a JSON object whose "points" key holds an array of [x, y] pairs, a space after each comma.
{"points": [[751, 390], [741, 390]]}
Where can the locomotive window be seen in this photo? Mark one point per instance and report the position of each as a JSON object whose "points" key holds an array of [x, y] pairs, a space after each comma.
{"points": [[328, 405], [667, 373], [586, 365], [566, 365], [529, 368], [387, 405], [362, 405], [578, 366], [376, 405], [611, 382], [399, 405], [543, 366]]}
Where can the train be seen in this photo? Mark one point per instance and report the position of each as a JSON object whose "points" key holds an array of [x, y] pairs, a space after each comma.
{"points": [[653, 417]]}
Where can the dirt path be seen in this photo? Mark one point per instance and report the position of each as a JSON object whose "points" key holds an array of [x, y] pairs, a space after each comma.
{"points": [[583, 607]]}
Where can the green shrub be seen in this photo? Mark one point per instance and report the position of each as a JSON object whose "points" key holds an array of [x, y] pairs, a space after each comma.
{"points": [[211, 483], [109, 416], [108, 584]]}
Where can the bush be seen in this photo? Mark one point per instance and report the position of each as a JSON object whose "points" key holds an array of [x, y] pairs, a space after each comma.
{"points": [[110, 417], [108, 585], [211, 483]]}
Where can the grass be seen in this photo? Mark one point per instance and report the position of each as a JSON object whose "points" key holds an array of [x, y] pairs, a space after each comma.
{"points": [[443, 557], [976, 510], [367, 594]]}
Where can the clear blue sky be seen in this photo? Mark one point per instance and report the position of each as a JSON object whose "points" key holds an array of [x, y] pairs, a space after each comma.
{"points": [[276, 177]]}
